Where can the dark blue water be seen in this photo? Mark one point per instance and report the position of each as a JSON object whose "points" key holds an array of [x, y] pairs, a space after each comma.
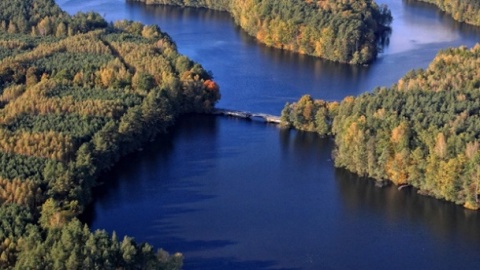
{"points": [[254, 77], [232, 194]]}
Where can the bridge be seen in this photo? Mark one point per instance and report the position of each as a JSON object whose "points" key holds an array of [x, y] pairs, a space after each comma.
{"points": [[248, 115]]}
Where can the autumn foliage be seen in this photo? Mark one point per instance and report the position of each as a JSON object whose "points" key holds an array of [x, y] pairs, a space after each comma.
{"points": [[461, 10], [211, 86], [423, 131], [342, 31], [76, 94]]}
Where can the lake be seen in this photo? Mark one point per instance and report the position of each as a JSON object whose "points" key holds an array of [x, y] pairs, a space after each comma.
{"points": [[234, 194]]}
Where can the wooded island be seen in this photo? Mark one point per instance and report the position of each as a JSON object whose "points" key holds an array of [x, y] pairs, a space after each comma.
{"points": [[343, 31]]}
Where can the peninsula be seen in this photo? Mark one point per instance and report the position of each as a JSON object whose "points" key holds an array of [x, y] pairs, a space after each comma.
{"points": [[422, 131], [76, 94]]}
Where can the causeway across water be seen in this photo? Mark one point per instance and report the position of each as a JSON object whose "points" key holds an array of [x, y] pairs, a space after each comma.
{"points": [[248, 115]]}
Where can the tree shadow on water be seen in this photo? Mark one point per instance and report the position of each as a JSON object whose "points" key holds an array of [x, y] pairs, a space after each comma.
{"points": [[230, 263], [186, 246]]}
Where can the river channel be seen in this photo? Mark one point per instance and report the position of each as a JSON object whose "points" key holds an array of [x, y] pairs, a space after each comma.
{"points": [[236, 194]]}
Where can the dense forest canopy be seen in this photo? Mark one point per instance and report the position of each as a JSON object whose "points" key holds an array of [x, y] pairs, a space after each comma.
{"points": [[423, 131], [344, 31], [76, 94], [461, 10]]}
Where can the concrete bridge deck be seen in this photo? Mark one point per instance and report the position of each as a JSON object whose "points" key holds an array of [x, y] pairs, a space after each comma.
{"points": [[248, 115]]}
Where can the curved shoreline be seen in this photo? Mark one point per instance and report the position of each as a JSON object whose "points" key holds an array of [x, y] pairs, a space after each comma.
{"points": [[339, 32], [460, 10], [76, 95], [422, 131]]}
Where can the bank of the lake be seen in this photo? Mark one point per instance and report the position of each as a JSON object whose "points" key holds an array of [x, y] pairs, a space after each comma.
{"points": [[286, 207], [237, 194], [467, 11], [422, 131], [256, 78], [346, 32], [77, 94]]}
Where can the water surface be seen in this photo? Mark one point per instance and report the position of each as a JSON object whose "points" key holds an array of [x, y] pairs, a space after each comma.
{"points": [[234, 194], [261, 79]]}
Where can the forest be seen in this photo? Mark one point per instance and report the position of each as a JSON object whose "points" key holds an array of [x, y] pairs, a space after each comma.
{"points": [[467, 11], [76, 94], [350, 31], [423, 131]]}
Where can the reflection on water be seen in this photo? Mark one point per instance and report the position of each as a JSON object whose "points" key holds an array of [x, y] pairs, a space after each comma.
{"points": [[254, 77], [123, 179], [445, 220], [419, 24], [237, 194], [234, 194]]}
